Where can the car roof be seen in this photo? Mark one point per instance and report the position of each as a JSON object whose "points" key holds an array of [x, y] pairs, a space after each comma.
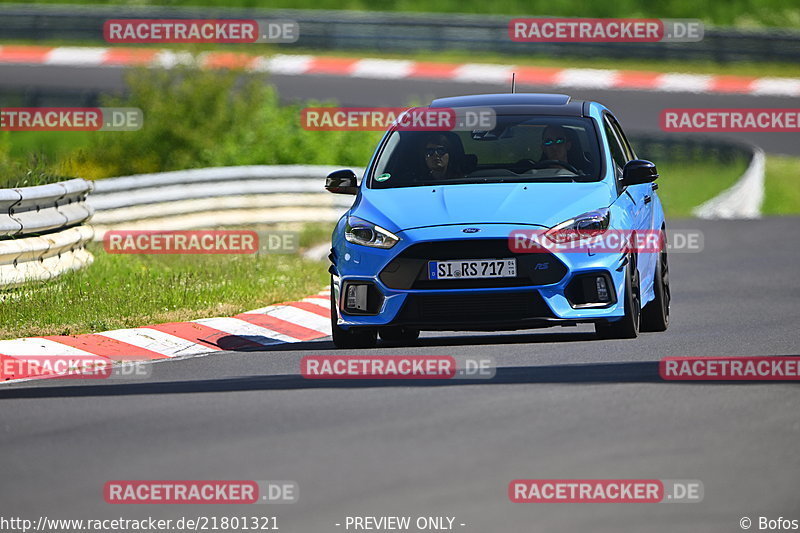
{"points": [[518, 103]]}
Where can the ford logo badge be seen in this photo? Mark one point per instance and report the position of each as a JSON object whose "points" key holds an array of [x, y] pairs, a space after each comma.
{"points": [[471, 230]]}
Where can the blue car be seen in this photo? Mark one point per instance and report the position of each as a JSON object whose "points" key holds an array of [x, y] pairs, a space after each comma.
{"points": [[430, 240]]}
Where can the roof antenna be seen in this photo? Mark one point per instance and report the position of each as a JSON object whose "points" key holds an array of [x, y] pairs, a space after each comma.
{"points": [[513, 82]]}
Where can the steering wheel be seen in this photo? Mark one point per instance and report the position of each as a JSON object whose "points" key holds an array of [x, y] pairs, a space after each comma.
{"points": [[548, 162]]}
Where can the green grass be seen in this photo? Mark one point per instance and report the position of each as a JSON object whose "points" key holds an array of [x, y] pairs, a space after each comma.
{"points": [[122, 291], [53, 144], [744, 13], [683, 186], [29, 162], [782, 186]]}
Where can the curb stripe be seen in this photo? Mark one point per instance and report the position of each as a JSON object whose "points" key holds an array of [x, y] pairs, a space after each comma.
{"points": [[113, 349], [33, 374], [129, 56], [246, 330], [537, 75], [310, 320], [24, 54], [76, 56], [693, 83], [288, 322], [324, 303], [331, 65], [732, 84], [382, 69], [427, 70], [209, 337], [38, 346], [281, 326], [482, 73], [284, 64], [374, 68], [230, 60], [158, 341], [588, 78], [312, 308], [637, 80]]}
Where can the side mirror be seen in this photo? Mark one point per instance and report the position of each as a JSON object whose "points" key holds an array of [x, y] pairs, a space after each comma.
{"points": [[639, 171], [342, 182]]}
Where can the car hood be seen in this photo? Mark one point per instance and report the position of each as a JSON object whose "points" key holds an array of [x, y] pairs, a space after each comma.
{"points": [[545, 204]]}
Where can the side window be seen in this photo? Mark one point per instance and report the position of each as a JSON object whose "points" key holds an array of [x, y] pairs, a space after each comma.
{"points": [[626, 146], [617, 153]]}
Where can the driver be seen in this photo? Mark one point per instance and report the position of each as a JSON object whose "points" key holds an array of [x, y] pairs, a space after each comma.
{"points": [[556, 145], [439, 154]]}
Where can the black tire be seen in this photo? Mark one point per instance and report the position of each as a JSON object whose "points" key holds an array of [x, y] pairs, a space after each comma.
{"points": [[628, 326], [655, 315], [399, 334], [353, 337]]}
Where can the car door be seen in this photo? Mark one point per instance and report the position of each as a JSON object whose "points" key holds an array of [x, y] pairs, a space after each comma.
{"points": [[640, 195]]}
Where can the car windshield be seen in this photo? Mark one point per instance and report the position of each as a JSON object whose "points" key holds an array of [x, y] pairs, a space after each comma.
{"points": [[519, 149]]}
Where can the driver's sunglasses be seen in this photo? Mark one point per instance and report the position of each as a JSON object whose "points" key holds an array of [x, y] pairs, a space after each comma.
{"points": [[440, 151], [551, 142]]}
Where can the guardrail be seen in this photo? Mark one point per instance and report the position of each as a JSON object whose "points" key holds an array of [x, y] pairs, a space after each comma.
{"points": [[41, 231], [743, 199], [221, 196], [401, 32], [692, 148]]}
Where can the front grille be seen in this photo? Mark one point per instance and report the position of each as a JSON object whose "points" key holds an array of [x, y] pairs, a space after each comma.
{"points": [[409, 269], [481, 307]]}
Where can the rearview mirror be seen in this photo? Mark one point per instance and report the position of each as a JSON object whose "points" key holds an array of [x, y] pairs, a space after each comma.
{"points": [[639, 171], [342, 182]]}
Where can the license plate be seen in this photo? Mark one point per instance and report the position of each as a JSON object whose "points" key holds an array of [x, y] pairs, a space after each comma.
{"points": [[472, 269]]}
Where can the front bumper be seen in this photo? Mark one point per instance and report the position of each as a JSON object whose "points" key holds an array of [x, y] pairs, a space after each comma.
{"points": [[538, 297]]}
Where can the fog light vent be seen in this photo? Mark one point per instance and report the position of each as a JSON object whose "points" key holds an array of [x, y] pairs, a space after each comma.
{"points": [[356, 298], [593, 289], [360, 298], [602, 289]]}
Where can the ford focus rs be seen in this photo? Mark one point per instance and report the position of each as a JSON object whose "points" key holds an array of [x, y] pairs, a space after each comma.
{"points": [[435, 239]]}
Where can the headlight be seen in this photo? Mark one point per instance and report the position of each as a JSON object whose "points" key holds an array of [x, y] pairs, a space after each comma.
{"points": [[586, 225], [366, 233]]}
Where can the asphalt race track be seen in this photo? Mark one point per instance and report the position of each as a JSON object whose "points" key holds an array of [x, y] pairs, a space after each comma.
{"points": [[563, 406], [636, 110]]}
